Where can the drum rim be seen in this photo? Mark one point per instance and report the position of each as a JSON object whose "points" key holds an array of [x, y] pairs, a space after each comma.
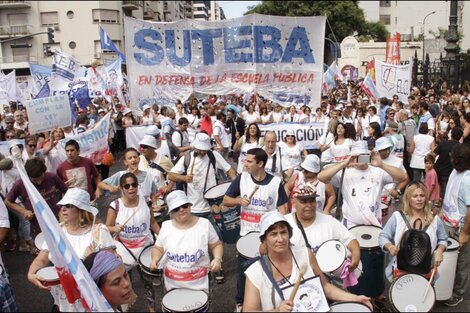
{"points": [[452, 249], [393, 284], [367, 248], [236, 245], [38, 239], [345, 254], [350, 302], [45, 278], [204, 195], [198, 309], [141, 264]]}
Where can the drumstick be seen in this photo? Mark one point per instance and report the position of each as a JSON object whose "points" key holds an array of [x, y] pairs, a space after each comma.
{"points": [[194, 162], [429, 284], [253, 192], [302, 270], [132, 215]]}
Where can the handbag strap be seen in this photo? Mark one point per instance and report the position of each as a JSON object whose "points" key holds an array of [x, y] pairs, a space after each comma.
{"points": [[299, 224], [340, 195]]}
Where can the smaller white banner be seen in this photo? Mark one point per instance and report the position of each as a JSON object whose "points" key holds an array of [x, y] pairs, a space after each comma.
{"points": [[48, 113]]}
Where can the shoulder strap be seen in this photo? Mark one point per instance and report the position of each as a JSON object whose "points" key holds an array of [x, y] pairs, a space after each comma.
{"points": [[211, 156], [405, 219], [280, 156], [187, 160], [269, 273], [156, 166], [299, 224]]}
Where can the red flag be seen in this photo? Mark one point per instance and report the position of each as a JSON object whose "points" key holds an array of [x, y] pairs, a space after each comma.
{"points": [[392, 52]]}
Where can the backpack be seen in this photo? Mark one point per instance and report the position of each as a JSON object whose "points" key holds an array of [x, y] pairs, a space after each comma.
{"points": [[415, 253], [187, 160]]}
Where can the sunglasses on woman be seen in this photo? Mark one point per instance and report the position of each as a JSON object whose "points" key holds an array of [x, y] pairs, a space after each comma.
{"points": [[184, 206], [128, 186]]}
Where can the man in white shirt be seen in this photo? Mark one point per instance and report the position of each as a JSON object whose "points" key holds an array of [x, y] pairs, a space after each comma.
{"points": [[362, 185], [221, 137], [276, 165], [180, 136]]}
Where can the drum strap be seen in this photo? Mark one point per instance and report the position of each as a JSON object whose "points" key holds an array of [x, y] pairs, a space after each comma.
{"points": [[267, 269], [299, 224], [339, 211]]}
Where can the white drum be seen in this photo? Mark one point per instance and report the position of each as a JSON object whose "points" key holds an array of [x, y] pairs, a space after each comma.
{"points": [[185, 300], [126, 257], [49, 275], [39, 241], [145, 258], [445, 283], [331, 256], [367, 235], [407, 291], [349, 307], [216, 194], [248, 245]]}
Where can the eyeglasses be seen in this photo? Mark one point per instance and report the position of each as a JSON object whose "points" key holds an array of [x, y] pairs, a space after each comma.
{"points": [[144, 146], [32, 146], [9, 123], [391, 113], [9, 137], [292, 136], [128, 186], [69, 206], [184, 206]]}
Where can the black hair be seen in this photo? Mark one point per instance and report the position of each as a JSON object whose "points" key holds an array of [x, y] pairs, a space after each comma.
{"points": [[456, 133], [183, 120], [122, 180], [74, 143], [423, 128], [260, 155], [459, 157], [35, 167]]}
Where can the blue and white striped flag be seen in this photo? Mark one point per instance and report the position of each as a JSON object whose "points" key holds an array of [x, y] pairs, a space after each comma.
{"points": [[108, 44], [77, 283]]}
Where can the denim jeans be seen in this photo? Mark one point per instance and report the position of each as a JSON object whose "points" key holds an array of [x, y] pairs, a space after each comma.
{"points": [[24, 226], [417, 174]]}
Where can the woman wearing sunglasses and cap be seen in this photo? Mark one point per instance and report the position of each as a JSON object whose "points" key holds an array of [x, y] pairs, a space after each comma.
{"points": [[183, 245], [284, 265], [78, 221], [132, 221]]}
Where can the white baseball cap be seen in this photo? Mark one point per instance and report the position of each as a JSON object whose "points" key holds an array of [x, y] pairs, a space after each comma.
{"points": [[79, 198], [311, 163], [175, 199], [272, 218], [382, 143], [150, 141], [127, 111], [146, 107], [202, 141], [359, 147]]}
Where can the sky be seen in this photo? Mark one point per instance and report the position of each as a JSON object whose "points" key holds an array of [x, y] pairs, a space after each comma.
{"points": [[234, 9]]}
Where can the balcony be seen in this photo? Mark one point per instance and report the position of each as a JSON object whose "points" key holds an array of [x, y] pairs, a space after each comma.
{"points": [[131, 5], [15, 30], [15, 4], [150, 14]]}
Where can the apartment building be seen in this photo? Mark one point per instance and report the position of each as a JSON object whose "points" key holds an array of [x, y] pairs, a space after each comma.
{"points": [[76, 27]]}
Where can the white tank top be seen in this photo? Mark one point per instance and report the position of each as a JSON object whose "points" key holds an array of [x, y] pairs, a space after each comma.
{"points": [[264, 200]]}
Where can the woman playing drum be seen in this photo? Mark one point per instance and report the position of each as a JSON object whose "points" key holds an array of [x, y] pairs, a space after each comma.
{"points": [[183, 246], [285, 266], [77, 221], [415, 206]]}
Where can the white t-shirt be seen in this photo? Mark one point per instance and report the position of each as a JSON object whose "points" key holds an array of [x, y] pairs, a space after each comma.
{"points": [[277, 117], [293, 155], [339, 152], [195, 190], [324, 228], [243, 150], [136, 234], [423, 145], [178, 141], [219, 130], [281, 163], [265, 118], [250, 117], [361, 192], [194, 121], [186, 254]]}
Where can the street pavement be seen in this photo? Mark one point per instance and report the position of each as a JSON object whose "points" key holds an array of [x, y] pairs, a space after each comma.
{"points": [[31, 299]]}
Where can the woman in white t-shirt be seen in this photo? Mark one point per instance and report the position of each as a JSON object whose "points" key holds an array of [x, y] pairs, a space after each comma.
{"points": [[51, 154], [251, 139], [77, 220], [422, 145], [277, 114], [265, 115], [292, 116], [130, 218], [250, 115], [183, 245], [291, 151], [194, 119], [147, 116], [340, 147]]}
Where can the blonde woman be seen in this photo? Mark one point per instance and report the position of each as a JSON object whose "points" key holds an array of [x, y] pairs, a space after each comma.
{"points": [[415, 206]]}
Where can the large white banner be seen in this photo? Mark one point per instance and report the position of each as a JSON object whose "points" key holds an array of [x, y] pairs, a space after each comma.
{"points": [[8, 87], [93, 143], [278, 57], [393, 80], [306, 134], [48, 113], [64, 70]]}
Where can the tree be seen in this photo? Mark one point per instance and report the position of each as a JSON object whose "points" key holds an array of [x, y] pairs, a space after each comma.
{"points": [[344, 17]]}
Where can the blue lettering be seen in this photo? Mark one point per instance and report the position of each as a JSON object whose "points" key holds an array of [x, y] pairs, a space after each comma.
{"points": [[232, 42], [261, 43], [206, 36], [298, 35], [170, 45], [153, 48]]}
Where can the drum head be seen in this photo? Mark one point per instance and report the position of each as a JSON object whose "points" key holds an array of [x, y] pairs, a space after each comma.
{"points": [[248, 245], [49, 274], [127, 259], [452, 244], [406, 294], [217, 191], [367, 235], [383, 206], [331, 255], [349, 307], [184, 300], [145, 257], [39, 241]]}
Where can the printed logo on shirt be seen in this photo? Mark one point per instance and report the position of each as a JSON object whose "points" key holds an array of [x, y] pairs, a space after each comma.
{"points": [[186, 258], [135, 229], [260, 202]]}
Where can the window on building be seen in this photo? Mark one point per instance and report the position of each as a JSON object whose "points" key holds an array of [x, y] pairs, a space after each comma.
{"points": [[105, 16], [18, 19], [49, 18], [385, 4], [20, 54], [385, 19]]}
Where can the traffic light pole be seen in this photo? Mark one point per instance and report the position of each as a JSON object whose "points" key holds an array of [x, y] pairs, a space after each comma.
{"points": [[22, 37]]}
